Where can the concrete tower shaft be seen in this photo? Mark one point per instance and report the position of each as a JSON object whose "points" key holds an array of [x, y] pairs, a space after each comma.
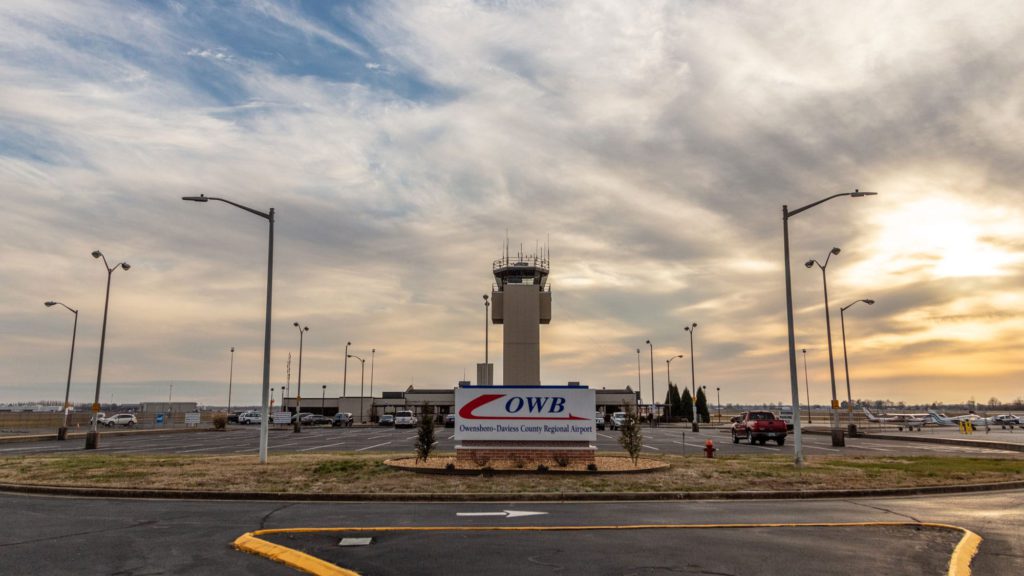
{"points": [[521, 302]]}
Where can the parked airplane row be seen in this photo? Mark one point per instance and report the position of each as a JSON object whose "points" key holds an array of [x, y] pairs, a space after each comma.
{"points": [[933, 418]]}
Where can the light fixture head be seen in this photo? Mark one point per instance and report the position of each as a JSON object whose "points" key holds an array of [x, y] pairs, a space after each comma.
{"points": [[869, 302], [648, 342], [809, 263], [857, 193], [200, 198], [835, 250], [485, 297], [96, 253], [50, 303], [295, 323], [125, 266], [306, 328]]}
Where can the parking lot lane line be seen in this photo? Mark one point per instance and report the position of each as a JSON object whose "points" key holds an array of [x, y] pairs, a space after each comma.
{"points": [[452, 436], [321, 446], [821, 448], [374, 446], [651, 447], [606, 436], [862, 447], [380, 436]]}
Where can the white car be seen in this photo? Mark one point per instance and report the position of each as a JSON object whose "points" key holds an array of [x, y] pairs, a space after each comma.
{"points": [[250, 417], [618, 419], [405, 419], [119, 420]]}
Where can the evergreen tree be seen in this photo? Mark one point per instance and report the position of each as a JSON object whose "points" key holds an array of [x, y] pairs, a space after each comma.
{"points": [[425, 434], [630, 435], [687, 402], [668, 405], [677, 402], [702, 406]]}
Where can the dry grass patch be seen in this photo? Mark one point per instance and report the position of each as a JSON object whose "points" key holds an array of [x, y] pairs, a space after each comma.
{"points": [[348, 473]]}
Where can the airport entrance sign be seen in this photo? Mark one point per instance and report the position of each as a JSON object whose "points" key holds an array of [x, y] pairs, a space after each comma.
{"points": [[525, 414]]}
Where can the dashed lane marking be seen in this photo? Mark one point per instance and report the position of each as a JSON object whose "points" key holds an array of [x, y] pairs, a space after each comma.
{"points": [[374, 446]]}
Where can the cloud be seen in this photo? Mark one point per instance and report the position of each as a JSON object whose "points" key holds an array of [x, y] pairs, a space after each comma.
{"points": [[654, 143]]}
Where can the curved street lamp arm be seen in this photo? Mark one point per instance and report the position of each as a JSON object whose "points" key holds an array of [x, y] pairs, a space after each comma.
{"points": [[855, 194], [204, 198]]}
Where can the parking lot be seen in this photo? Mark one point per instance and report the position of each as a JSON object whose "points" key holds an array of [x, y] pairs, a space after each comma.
{"points": [[660, 440]]}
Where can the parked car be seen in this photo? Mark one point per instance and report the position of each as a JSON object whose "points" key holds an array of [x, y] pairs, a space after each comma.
{"points": [[599, 420], [342, 419], [759, 426], [233, 417], [405, 419], [618, 419], [301, 416], [99, 416], [126, 420], [386, 420], [250, 417], [316, 420], [449, 420]]}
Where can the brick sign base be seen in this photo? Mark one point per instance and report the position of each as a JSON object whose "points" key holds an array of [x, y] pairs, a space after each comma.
{"points": [[479, 452]]}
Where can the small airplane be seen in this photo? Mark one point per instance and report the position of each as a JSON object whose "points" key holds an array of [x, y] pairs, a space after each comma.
{"points": [[901, 421], [974, 419]]}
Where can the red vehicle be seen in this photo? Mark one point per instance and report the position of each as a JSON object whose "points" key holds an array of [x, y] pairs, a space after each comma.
{"points": [[759, 426]]}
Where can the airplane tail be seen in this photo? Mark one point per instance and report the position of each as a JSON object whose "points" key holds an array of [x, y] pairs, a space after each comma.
{"points": [[871, 417]]}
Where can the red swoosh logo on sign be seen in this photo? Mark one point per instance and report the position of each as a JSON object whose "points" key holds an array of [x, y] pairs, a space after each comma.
{"points": [[467, 411]]}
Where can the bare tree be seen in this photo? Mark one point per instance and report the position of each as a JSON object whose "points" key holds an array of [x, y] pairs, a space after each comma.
{"points": [[630, 435], [425, 434]]}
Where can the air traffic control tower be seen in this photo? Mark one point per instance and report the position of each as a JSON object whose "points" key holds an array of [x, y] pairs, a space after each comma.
{"points": [[521, 301]]}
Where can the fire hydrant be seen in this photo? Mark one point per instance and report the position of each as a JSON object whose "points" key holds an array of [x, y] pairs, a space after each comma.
{"points": [[709, 449]]}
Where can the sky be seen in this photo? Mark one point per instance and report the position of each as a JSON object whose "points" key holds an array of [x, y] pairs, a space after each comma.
{"points": [[649, 145]]}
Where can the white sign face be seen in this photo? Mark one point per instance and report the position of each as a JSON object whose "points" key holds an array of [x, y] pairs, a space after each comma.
{"points": [[192, 418], [525, 413], [282, 417]]}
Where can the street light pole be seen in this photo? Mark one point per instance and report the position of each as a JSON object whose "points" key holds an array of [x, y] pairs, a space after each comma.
{"points": [[344, 381], [718, 392], [323, 397], [668, 378], [362, 370], [231, 378], [846, 364], [798, 454], [807, 387], [265, 417], [487, 345], [373, 354], [693, 378], [837, 435], [92, 438], [654, 399], [62, 432], [298, 393], [638, 384]]}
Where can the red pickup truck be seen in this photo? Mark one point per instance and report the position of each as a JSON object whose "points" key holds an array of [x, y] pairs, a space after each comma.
{"points": [[759, 426]]}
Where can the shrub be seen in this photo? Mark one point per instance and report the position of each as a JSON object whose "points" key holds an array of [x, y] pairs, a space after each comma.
{"points": [[592, 467], [542, 468], [220, 421], [480, 460], [562, 460], [449, 466], [630, 435], [425, 435]]}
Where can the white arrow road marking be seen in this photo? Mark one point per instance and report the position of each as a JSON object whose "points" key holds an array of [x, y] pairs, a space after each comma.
{"points": [[505, 513]]}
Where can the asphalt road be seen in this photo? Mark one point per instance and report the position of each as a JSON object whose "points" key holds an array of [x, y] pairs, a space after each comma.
{"points": [[661, 440], [50, 535]]}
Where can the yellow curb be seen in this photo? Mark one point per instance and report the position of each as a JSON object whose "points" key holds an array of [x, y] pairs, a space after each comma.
{"points": [[959, 562]]}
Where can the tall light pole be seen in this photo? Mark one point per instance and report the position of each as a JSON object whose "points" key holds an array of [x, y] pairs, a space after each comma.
{"points": [[231, 378], [62, 432], [265, 417], [487, 346], [654, 399], [373, 354], [298, 393], [92, 438], [718, 392], [807, 387], [668, 378], [344, 380], [846, 364], [837, 434], [362, 370], [323, 398], [693, 378], [638, 385], [798, 454]]}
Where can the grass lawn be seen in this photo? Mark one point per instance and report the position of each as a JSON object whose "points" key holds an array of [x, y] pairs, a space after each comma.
{"points": [[366, 473]]}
